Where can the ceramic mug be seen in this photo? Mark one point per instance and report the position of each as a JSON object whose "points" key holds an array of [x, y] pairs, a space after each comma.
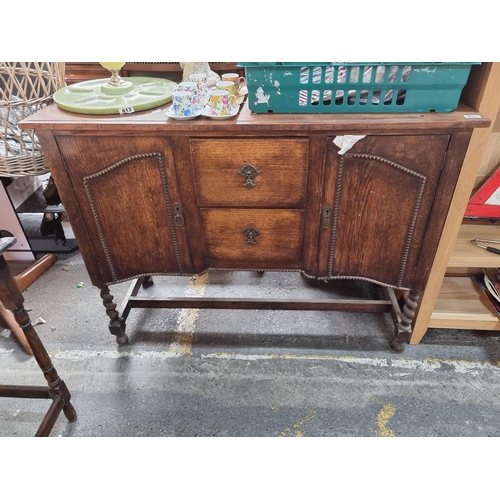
{"points": [[193, 88], [182, 103], [188, 86], [238, 80], [201, 81], [220, 102], [227, 85]]}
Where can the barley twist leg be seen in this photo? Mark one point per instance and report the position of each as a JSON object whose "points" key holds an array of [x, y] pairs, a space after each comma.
{"points": [[116, 323]]}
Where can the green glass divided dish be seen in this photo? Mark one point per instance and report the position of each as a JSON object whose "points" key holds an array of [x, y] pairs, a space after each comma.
{"points": [[142, 93]]}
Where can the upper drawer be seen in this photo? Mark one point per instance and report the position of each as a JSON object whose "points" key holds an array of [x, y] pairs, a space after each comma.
{"points": [[250, 172]]}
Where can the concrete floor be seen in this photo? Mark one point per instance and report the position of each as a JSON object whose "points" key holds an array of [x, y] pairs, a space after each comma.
{"points": [[245, 373]]}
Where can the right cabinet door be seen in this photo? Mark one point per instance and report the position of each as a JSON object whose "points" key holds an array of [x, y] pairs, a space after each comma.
{"points": [[377, 200]]}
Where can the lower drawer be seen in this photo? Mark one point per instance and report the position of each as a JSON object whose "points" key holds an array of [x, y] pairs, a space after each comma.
{"points": [[254, 238]]}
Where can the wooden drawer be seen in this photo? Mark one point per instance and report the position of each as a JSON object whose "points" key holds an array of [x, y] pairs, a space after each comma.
{"points": [[278, 243], [276, 178]]}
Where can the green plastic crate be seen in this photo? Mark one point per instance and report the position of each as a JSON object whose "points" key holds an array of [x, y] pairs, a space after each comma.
{"points": [[324, 87]]}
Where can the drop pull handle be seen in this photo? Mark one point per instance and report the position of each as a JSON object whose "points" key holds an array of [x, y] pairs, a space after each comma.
{"points": [[178, 215], [251, 233], [249, 172]]}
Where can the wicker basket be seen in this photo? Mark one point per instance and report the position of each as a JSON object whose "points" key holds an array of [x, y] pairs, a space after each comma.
{"points": [[25, 87]]}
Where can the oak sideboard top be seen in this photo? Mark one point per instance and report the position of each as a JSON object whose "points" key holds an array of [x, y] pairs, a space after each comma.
{"points": [[56, 119]]}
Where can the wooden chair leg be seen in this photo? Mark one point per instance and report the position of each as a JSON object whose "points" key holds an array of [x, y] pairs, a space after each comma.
{"points": [[23, 281], [33, 272], [10, 322], [56, 389]]}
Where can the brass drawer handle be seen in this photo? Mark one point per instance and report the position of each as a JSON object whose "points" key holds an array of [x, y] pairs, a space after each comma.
{"points": [[249, 172], [250, 232]]}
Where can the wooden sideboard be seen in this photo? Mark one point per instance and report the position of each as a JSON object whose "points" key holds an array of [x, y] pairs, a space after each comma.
{"points": [[147, 195]]}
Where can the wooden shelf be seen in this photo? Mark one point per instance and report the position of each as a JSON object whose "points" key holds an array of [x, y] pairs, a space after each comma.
{"points": [[36, 204], [30, 215], [462, 305]]}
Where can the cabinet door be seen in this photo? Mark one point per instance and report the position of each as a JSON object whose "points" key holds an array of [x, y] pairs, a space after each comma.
{"points": [[377, 200], [130, 206]]}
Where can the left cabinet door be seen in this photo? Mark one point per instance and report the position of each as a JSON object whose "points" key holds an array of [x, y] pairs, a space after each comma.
{"points": [[130, 205]]}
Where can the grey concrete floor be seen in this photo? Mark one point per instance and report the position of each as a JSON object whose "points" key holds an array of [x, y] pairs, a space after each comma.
{"points": [[245, 373]]}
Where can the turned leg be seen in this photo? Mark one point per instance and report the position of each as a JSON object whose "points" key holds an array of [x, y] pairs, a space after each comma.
{"points": [[147, 281], [116, 323], [402, 332]]}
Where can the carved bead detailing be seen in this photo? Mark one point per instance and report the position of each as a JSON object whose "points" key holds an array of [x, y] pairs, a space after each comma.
{"points": [[387, 162], [413, 220], [274, 270], [249, 172], [247, 269], [361, 278], [163, 174], [335, 215]]}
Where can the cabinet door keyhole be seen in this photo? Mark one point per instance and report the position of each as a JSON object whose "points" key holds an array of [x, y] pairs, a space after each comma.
{"points": [[326, 217]]}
